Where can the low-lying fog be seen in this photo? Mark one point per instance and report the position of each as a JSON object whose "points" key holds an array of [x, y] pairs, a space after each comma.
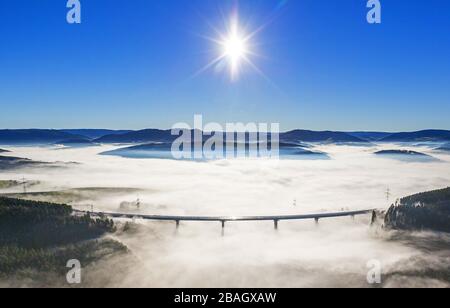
{"points": [[299, 254]]}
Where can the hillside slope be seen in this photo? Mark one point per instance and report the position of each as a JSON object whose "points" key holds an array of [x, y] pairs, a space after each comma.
{"points": [[19, 136], [424, 211], [424, 135], [42, 237], [156, 135]]}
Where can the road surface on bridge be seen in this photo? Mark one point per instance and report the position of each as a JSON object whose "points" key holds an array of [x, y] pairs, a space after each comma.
{"points": [[224, 219]]}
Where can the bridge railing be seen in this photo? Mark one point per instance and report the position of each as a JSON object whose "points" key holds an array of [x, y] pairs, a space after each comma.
{"points": [[225, 219]]}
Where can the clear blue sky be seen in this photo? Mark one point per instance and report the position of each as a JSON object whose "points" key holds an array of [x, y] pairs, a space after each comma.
{"points": [[130, 64]]}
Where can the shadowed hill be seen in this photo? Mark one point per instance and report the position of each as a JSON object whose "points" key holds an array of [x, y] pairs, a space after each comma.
{"points": [[48, 136], [43, 136], [38, 224], [36, 136], [39, 236], [9, 162], [314, 136], [401, 152], [165, 136], [424, 211], [370, 136], [445, 148], [141, 136], [424, 135], [95, 133]]}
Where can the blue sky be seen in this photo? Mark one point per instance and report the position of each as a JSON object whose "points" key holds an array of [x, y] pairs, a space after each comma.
{"points": [[131, 64]]}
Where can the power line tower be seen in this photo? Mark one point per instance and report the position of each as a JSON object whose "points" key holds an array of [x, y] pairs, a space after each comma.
{"points": [[24, 183], [388, 194], [138, 203]]}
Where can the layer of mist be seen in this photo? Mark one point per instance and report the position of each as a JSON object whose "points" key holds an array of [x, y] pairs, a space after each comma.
{"points": [[299, 254]]}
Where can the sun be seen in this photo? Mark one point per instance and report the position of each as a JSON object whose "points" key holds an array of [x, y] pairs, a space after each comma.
{"points": [[235, 49]]}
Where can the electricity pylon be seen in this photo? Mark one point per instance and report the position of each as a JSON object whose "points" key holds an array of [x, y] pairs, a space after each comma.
{"points": [[388, 194], [24, 183]]}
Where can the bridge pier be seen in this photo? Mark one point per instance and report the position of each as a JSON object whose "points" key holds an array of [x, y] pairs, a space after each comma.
{"points": [[223, 227], [275, 223], [374, 218], [317, 221], [177, 224]]}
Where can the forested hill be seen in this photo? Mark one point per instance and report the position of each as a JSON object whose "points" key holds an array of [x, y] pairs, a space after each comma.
{"points": [[42, 237], [51, 136], [424, 211], [420, 136], [36, 136], [38, 224]]}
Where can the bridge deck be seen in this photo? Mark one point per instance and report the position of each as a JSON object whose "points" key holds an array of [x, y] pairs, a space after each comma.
{"points": [[231, 218]]}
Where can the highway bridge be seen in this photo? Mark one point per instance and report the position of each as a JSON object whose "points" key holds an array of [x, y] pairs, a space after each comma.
{"points": [[225, 219]]}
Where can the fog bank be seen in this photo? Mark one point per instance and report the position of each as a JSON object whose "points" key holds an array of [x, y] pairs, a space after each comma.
{"points": [[299, 254]]}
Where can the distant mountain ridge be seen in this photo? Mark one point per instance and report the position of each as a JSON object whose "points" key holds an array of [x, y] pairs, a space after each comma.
{"points": [[51, 136], [423, 135], [140, 136], [155, 135], [48, 136], [315, 136], [94, 133], [370, 136], [18, 136]]}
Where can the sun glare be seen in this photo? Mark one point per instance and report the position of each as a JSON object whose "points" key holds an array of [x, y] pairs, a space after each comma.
{"points": [[235, 50]]}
